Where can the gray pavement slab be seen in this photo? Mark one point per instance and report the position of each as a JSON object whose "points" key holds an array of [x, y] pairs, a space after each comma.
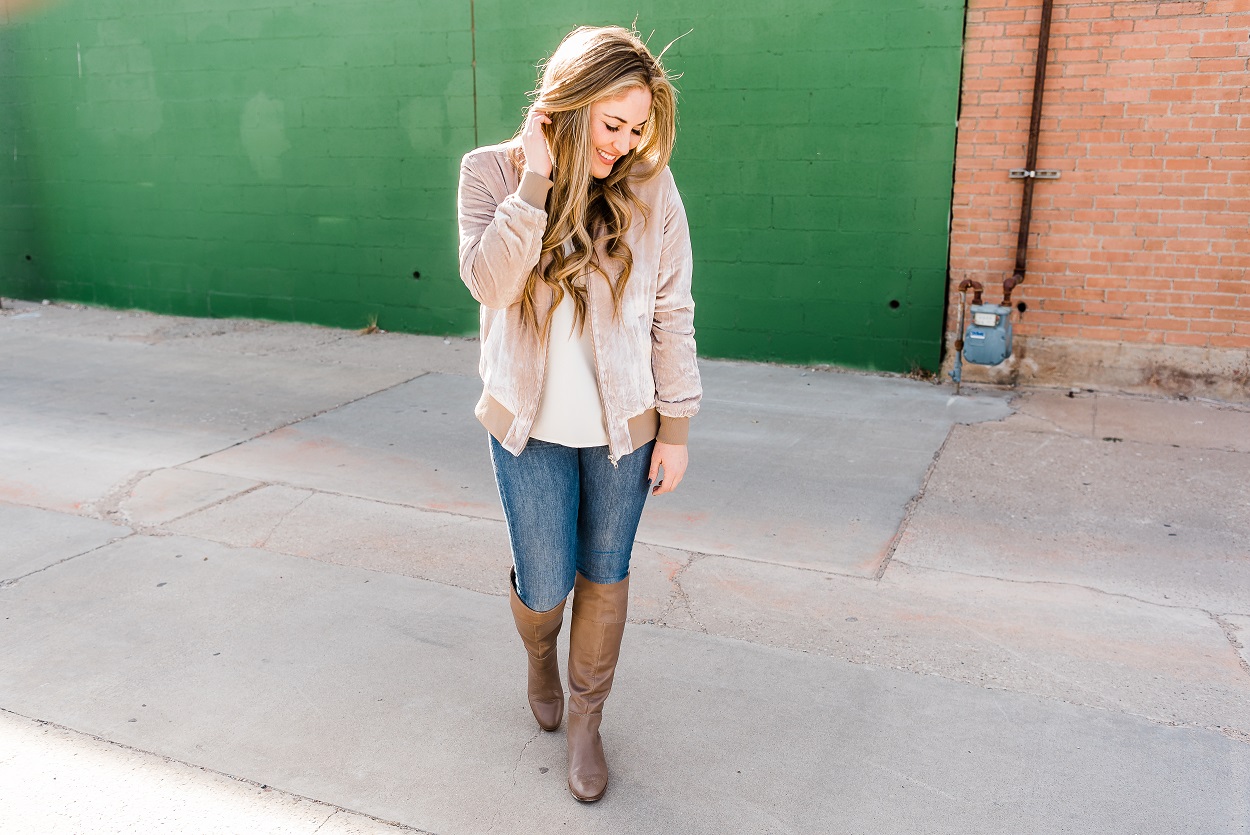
{"points": [[416, 444], [1197, 424], [808, 468], [60, 782], [308, 345], [168, 494], [852, 461], [33, 539], [1078, 645], [94, 397], [827, 606], [401, 698], [1170, 663], [1159, 522], [446, 547]]}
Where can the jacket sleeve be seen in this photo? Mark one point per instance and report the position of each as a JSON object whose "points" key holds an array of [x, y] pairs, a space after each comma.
{"points": [[678, 388], [500, 241]]}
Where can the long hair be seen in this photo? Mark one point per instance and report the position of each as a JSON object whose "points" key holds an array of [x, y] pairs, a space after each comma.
{"points": [[594, 63]]}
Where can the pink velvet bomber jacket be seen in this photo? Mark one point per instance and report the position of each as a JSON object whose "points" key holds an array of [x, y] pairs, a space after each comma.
{"points": [[645, 358]]}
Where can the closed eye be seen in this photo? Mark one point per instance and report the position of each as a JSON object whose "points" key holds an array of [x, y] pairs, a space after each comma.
{"points": [[615, 128]]}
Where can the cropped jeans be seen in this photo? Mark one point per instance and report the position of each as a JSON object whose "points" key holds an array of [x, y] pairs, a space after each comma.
{"points": [[569, 511]]}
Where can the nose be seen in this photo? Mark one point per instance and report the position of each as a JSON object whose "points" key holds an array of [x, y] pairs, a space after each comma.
{"points": [[622, 145]]}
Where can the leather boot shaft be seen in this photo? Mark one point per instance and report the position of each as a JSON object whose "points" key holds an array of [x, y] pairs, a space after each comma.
{"points": [[539, 631], [599, 613]]}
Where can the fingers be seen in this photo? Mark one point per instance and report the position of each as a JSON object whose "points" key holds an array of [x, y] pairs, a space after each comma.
{"points": [[672, 477], [667, 485], [674, 459], [534, 142]]}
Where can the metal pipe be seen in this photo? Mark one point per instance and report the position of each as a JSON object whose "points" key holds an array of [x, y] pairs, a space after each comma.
{"points": [[1030, 163], [956, 372]]}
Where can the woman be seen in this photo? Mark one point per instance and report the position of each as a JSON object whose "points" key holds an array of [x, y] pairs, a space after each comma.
{"points": [[574, 240]]}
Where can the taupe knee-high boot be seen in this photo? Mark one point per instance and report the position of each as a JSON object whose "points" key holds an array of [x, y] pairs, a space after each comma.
{"points": [[539, 631], [594, 647]]}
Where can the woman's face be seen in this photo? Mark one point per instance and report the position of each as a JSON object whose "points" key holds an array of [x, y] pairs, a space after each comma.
{"points": [[616, 128]]}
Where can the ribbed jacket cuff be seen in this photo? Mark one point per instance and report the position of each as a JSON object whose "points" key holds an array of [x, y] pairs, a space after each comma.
{"points": [[534, 188], [673, 430]]}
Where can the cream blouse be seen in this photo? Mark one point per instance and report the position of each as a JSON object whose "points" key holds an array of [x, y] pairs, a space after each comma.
{"points": [[571, 411]]}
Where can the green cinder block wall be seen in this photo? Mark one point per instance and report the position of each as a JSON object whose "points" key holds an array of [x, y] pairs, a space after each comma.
{"points": [[299, 161]]}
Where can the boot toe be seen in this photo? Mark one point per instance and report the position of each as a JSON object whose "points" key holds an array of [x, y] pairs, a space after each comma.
{"points": [[548, 714], [588, 788]]}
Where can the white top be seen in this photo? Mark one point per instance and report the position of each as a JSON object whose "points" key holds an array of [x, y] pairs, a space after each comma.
{"points": [[571, 411]]}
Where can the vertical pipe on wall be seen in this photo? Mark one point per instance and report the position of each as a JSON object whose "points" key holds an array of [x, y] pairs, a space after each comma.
{"points": [[1030, 163]]}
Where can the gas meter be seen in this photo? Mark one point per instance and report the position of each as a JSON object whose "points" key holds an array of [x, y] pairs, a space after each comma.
{"points": [[987, 341]]}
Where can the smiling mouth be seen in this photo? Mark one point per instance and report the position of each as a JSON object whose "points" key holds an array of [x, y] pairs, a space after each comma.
{"points": [[606, 157]]}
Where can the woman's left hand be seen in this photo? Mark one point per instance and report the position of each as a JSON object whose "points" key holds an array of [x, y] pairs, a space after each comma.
{"points": [[673, 458]]}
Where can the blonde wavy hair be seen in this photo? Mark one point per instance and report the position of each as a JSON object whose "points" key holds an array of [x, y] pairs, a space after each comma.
{"points": [[594, 63]]}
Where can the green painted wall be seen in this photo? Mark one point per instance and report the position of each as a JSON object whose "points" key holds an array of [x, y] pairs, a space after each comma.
{"points": [[18, 276], [298, 161]]}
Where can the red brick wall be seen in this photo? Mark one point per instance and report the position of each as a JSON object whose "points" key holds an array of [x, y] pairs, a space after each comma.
{"points": [[1145, 239]]}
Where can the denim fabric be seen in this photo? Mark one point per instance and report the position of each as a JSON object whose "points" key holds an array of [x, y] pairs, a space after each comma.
{"points": [[569, 510]]}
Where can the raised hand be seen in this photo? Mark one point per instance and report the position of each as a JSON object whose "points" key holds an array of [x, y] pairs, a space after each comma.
{"points": [[537, 154]]}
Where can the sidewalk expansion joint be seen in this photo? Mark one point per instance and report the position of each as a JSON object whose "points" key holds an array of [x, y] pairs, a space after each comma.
{"points": [[315, 414], [1061, 584], [108, 506], [910, 508], [209, 506], [1230, 632], [263, 786], [12, 581]]}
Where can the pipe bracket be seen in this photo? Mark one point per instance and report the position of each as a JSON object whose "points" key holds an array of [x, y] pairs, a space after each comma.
{"points": [[1041, 174]]}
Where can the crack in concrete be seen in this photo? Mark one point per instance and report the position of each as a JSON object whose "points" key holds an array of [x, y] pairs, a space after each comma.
{"points": [[212, 505], [460, 517], [263, 786], [287, 515], [315, 414], [1063, 584], [1235, 734], [678, 596], [1059, 432], [910, 508], [1230, 632], [12, 581], [515, 768], [327, 820], [108, 506]]}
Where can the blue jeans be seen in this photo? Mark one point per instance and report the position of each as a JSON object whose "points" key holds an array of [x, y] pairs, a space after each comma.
{"points": [[569, 510]]}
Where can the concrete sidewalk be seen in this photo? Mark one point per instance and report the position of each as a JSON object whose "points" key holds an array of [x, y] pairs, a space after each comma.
{"points": [[252, 580]]}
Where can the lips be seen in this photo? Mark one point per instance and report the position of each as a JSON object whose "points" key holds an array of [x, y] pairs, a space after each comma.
{"points": [[607, 158]]}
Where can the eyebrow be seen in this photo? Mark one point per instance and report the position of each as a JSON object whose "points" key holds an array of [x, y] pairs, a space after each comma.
{"points": [[622, 121]]}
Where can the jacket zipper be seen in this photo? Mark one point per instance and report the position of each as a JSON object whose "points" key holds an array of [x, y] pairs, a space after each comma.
{"points": [[594, 350]]}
